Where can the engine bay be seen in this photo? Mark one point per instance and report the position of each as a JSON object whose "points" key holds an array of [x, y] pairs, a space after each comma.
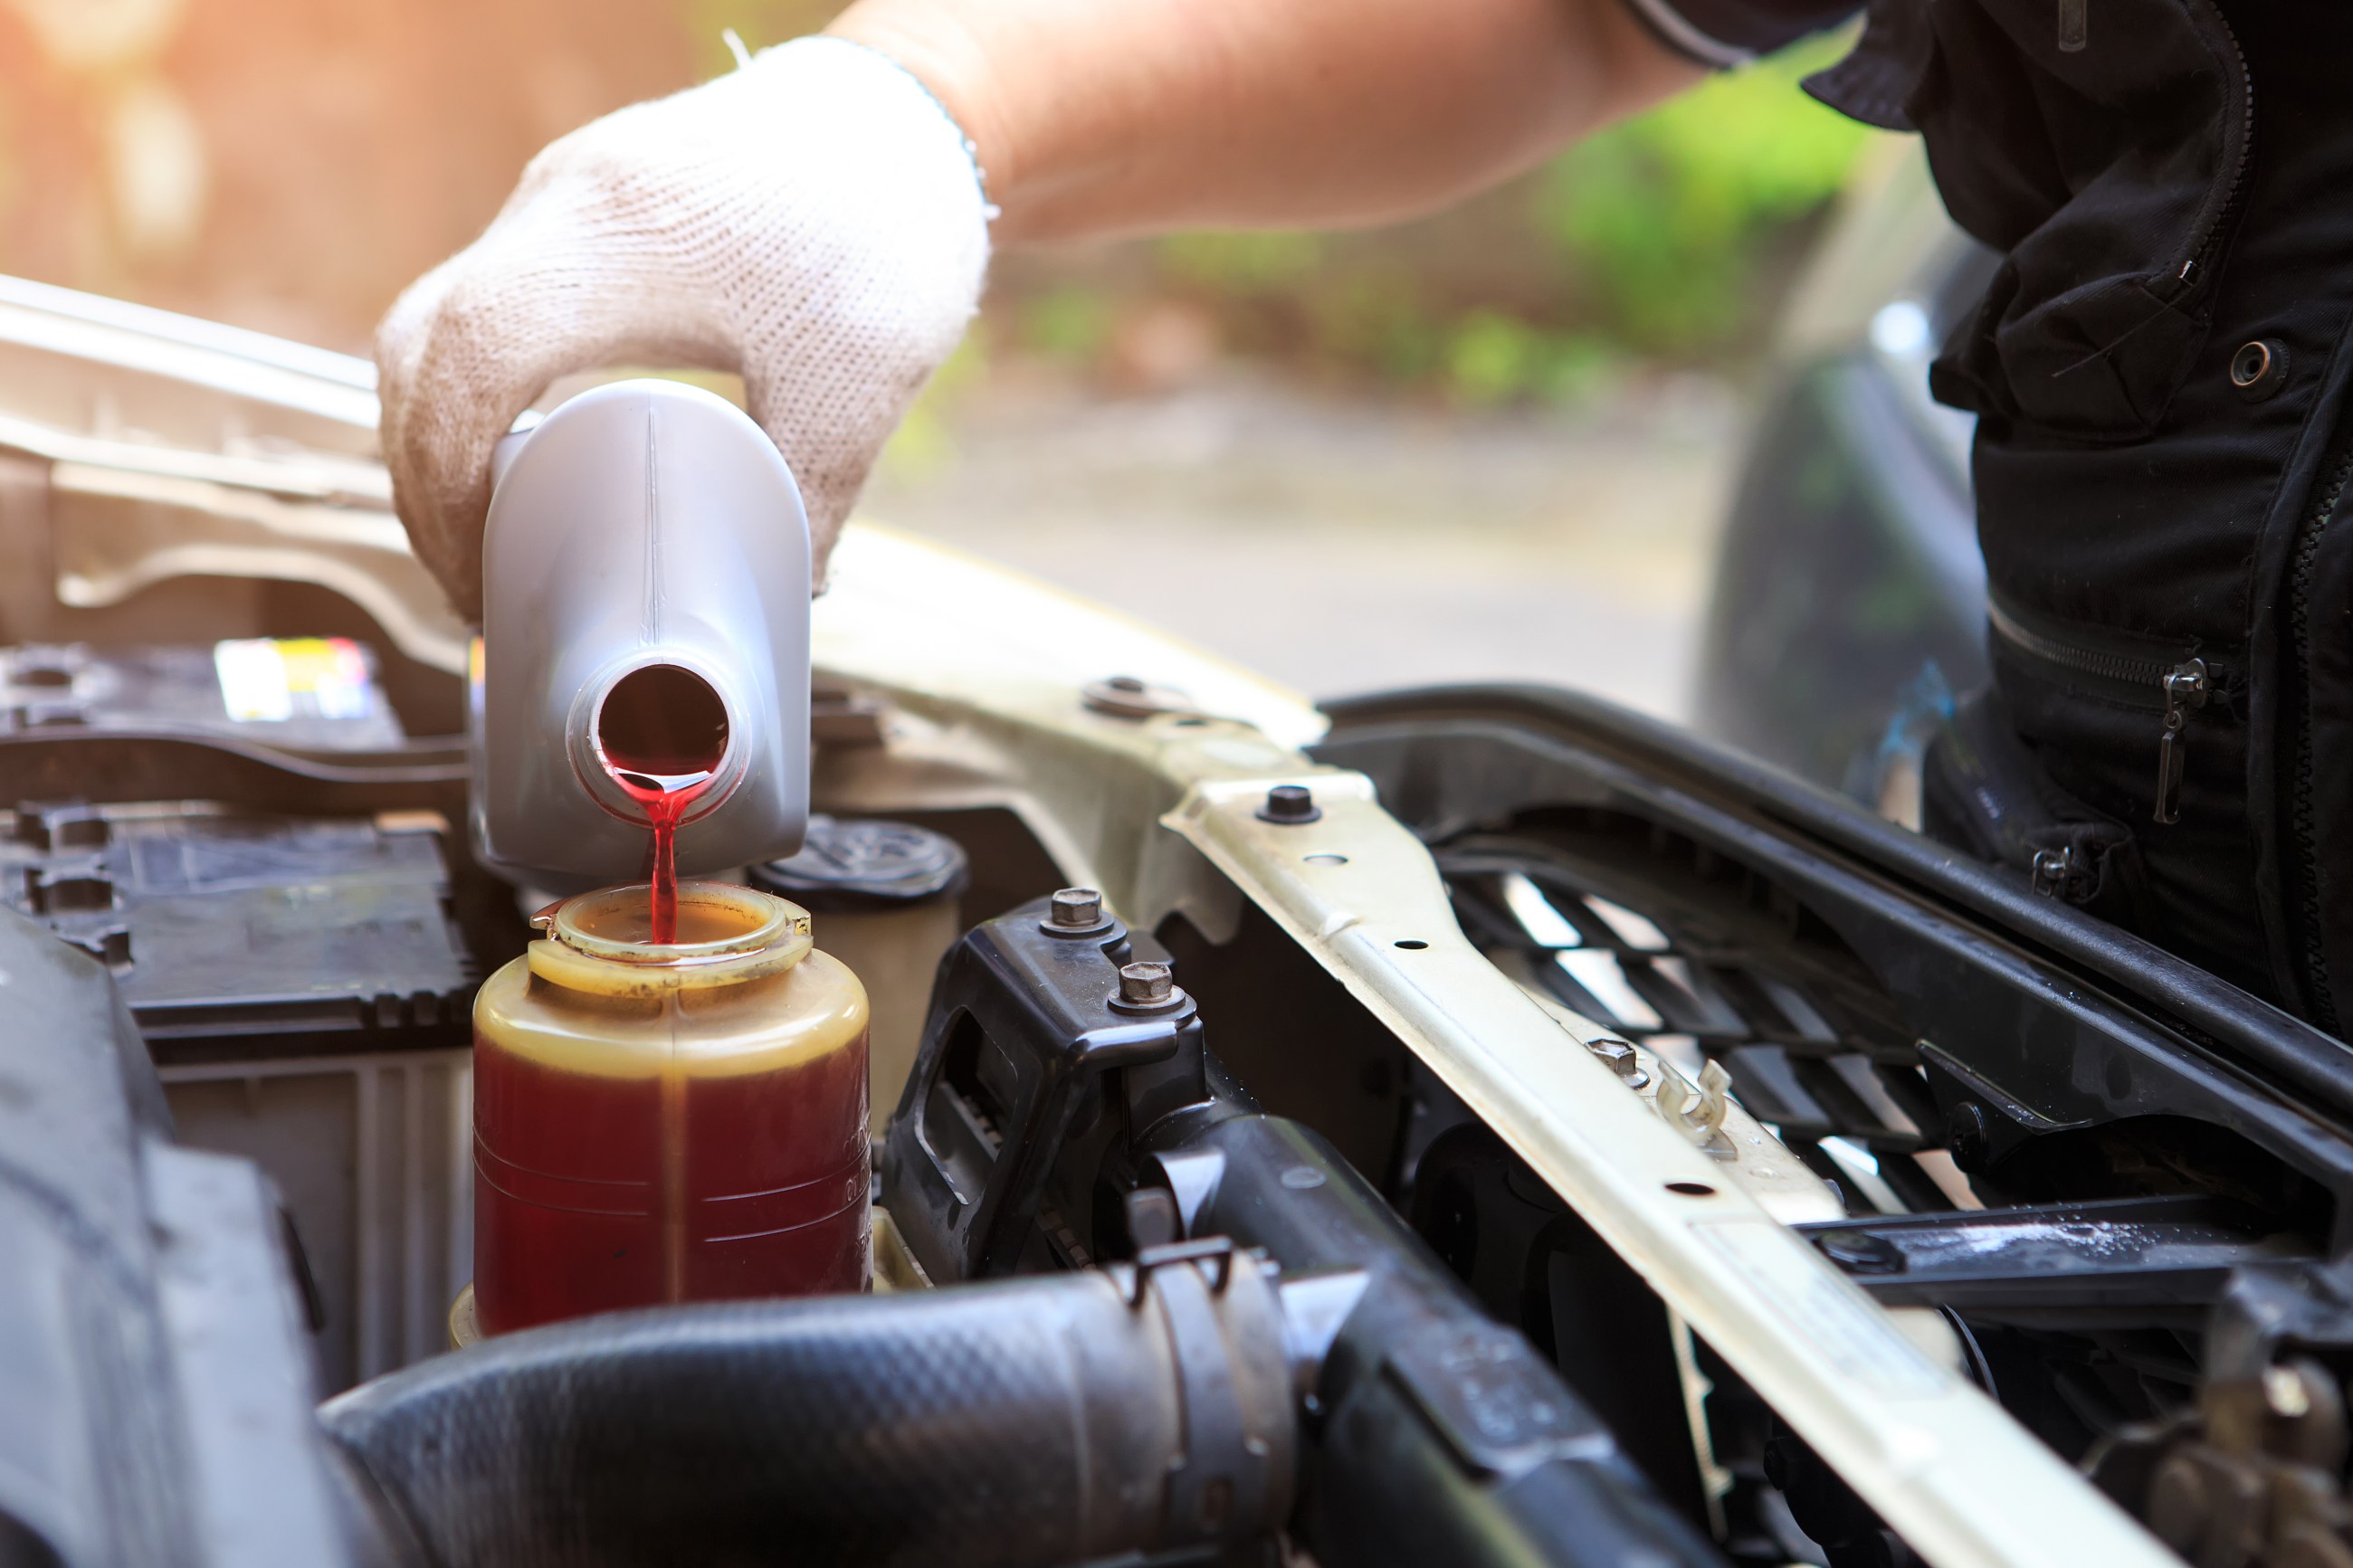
{"points": [[1546, 1139]]}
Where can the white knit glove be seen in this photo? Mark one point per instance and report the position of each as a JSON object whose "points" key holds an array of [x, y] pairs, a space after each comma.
{"points": [[814, 221]]}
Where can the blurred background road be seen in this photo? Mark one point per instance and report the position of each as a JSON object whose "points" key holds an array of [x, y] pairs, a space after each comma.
{"points": [[1346, 544], [1492, 444]]}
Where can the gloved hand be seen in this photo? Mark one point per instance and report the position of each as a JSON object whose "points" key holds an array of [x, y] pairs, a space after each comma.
{"points": [[813, 220]]}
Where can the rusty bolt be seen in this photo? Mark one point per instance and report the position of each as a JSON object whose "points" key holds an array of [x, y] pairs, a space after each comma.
{"points": [[1077, 907], [1146, 984]]}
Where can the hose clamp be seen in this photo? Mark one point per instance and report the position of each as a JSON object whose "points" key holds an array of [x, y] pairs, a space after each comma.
{"points": [[1217, 1250], [1228, 1473]]}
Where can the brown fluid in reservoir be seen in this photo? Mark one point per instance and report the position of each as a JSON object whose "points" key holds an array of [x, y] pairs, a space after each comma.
{"points": [[637, 1144], [662, 731]]}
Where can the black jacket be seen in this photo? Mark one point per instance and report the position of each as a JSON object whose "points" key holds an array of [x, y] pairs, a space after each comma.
{"points": [[2160, 371]]}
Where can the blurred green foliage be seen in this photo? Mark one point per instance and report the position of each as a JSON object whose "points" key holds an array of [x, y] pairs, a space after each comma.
{"points": [[1072, 321], [1243, 262], [1667, 236], [1666, 215]]}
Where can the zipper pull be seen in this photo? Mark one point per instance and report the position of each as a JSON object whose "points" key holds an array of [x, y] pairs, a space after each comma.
{"points": [[2075, 26], [2185, 689]]}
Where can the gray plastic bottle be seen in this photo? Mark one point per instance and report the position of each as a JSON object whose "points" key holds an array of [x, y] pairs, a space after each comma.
{"points": [[643, 524]]}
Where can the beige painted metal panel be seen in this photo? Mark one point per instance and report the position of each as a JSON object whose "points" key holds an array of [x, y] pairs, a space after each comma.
{"points": [[992, 666]]}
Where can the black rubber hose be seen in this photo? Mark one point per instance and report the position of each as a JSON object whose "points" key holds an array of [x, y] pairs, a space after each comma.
{"points": [[1443, 1436], [1035, 1421]]}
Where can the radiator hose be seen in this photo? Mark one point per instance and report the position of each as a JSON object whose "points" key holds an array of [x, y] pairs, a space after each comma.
{"points": [[1035, 1421]]}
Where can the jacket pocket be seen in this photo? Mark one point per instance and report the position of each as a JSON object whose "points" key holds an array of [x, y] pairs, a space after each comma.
{"points": [[1982, 792], [2105, 149]]}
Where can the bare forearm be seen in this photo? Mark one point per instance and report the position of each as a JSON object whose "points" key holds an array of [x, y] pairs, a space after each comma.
{"points": [[1098, 117]]}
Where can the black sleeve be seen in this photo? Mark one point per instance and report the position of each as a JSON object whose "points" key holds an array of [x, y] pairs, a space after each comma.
{"points": [[1726, 33]]}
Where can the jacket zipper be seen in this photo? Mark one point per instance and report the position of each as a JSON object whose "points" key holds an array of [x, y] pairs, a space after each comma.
{"points": [[2218, 229], [2303, 560], [2176, 688]]}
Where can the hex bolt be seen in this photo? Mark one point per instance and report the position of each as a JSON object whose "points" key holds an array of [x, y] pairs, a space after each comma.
{"points": [[1077, 908], [1290, 805], [1146, 984], [1621, 1061], [1617, 1054]]}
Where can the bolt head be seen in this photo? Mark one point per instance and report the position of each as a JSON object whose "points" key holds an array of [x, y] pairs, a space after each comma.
{"points": [[1133, 697], [1141, 984], [1618, 1054], [1290, 803], [1076, 907], [1859, 1252]]}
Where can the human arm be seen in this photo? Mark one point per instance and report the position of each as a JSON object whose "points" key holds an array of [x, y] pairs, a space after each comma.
{"points": [[816, 222], [1094, 119]]}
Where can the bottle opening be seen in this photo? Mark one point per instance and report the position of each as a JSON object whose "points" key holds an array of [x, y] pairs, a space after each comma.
{"points": [[710, 920], [662, 731], [662, 722]]}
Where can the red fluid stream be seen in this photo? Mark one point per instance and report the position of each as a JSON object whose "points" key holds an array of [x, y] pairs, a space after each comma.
{"points": [[662, 731], [667, 799]]}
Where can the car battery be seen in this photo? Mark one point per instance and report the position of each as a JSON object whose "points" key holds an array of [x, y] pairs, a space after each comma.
{"points": [[302, 694], [245, 934], [305, 996]]}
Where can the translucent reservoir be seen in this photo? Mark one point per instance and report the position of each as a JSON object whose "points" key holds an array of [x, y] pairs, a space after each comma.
{"points": [[673, 1122]]}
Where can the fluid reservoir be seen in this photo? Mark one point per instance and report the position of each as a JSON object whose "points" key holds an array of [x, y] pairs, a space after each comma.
{"points": [[676, 1122]]}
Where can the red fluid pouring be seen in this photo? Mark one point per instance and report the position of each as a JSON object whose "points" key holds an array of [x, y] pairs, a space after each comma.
{"points": [[662, 731]]}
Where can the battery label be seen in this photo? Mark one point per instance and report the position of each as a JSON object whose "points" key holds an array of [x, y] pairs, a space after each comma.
{"points": [[272, 679]]}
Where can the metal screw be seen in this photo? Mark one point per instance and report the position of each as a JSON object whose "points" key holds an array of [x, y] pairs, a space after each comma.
{"points": [[1146, 984], [1290, 805], [1125, 683], [1078, 907]]}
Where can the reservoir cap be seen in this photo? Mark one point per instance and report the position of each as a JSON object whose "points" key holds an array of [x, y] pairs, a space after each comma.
{"points": [[867, 865]]}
